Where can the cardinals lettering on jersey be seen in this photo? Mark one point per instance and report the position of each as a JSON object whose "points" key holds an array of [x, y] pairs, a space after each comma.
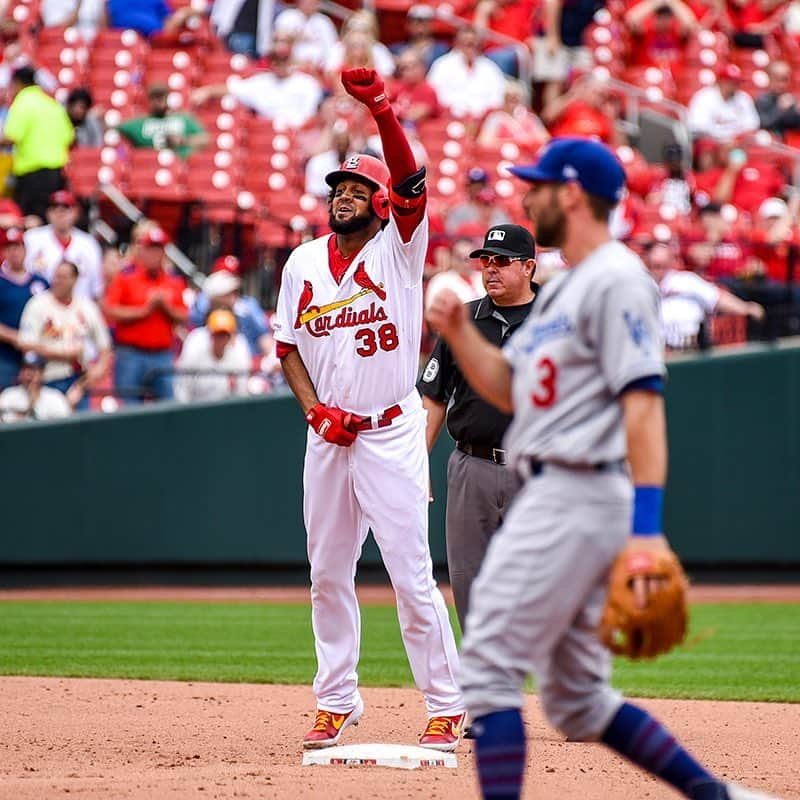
{"points": [[318, 321]]}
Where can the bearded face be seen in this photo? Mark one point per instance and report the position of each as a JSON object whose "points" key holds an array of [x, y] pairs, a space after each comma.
{"points": [[541, 203], [350, 207], [352, 225]]}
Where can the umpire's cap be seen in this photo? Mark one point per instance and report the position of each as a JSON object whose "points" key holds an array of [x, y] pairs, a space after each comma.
{"points": [[507, 240], [592, 164]]}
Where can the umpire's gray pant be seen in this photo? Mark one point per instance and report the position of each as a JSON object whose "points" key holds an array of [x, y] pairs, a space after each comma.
{"points": [[479, 494]]}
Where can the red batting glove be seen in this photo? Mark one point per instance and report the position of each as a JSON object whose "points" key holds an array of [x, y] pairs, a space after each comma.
{"points": [[352, 421], [367, 86], [329, 423]]}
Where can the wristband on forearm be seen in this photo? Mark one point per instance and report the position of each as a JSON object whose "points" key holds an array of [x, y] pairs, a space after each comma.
{"points": [[648, 502]]}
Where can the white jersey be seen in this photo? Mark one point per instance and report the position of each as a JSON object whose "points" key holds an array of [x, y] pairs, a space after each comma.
{"points": [[686, 300], [593, 330], [214, 378], [44, 252], [359, 339], [49, 322]]}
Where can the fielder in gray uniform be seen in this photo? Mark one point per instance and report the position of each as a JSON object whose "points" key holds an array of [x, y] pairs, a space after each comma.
{"points": [[479, 487], [583, 377]]}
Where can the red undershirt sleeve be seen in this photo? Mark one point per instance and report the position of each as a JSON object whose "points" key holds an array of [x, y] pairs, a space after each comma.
{"points": [[408, 212], [396, 149], [282, 349]]}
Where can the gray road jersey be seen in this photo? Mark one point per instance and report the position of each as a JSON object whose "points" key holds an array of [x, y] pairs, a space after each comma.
{"points": [[593, 330]]}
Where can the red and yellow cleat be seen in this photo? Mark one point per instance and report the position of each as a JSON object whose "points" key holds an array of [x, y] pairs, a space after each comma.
{"points": [[443, 733], [328, 727]]}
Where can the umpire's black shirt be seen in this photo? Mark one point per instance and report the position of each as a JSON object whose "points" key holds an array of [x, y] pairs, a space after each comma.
{"points": [[471, 419]]}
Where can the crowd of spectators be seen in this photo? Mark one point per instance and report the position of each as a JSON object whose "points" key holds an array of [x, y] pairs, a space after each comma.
{"points": [[476, 83]]}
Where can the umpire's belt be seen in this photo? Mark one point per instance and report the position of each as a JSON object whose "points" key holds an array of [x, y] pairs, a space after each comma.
{"points": [[483, 451], [530, 467], [382, 420]]}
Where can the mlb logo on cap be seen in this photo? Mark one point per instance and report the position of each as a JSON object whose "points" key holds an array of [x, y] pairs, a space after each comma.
{"points": [[509, 240]]}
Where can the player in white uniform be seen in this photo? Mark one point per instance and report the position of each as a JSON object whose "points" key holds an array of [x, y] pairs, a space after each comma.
{"points": [[583, 377], [49, 245], [348, 328]]}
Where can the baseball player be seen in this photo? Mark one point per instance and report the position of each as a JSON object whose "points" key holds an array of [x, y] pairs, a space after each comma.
{"points": [[348, 328], [479, 487], [583, 377]]}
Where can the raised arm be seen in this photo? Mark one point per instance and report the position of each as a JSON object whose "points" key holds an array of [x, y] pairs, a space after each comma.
{"points": [[407, 192]]}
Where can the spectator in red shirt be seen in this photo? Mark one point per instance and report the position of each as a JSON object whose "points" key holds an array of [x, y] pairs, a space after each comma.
{"points": [[715, 251], [749, 21], [737, 180], [146, 303], [414, 100], [775, 239], [659, 31], [510, 18], [586, 110]]}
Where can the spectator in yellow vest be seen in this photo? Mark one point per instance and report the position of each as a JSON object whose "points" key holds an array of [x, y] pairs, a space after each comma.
{"points": [[41, 132]]}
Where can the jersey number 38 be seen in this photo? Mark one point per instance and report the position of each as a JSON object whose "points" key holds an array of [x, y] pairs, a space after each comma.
{"points": [[370, 341], [547, 373]]}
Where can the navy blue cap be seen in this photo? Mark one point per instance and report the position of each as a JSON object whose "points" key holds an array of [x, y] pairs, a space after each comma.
{"points": [[592, 164]]}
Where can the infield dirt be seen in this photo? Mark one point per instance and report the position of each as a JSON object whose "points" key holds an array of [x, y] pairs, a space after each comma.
{"points": [[164, 740], [146, 739]]}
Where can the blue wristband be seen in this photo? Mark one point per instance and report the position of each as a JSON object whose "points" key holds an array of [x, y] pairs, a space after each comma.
{"points": [[648, 502]]}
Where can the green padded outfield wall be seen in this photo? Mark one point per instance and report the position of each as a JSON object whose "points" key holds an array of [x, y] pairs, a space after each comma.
{"points": [[733, 493], [221, 484]]}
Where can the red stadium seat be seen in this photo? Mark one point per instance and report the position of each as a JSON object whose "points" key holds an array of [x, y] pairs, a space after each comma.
{"points": [[217, 193], [219, 65], [157, 175], [90, 166]]}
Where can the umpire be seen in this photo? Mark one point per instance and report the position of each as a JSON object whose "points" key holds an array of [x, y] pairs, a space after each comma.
{"points": [[479, 487]]}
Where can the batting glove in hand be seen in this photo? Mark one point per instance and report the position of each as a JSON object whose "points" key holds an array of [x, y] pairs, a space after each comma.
{"points": [[367, 86], [332, 424]]}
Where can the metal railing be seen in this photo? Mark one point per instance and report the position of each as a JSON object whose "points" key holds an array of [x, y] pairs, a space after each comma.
{"points": [[134, 214]]}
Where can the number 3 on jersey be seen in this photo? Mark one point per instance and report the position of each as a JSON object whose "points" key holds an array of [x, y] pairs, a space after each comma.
{"points": [[386, 339], [547, 373]]}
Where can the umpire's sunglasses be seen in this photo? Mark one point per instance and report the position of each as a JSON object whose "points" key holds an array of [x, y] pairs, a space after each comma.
{"points": [[499, 261]]}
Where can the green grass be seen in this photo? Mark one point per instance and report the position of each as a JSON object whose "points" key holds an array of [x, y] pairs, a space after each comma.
{"points": [[735, 652]]}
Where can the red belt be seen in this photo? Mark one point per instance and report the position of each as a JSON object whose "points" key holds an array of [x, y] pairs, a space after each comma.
{"points": [[384, 419]]}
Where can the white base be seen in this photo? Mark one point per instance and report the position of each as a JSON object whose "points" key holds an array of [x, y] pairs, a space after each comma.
{"points": [[399, 756]]}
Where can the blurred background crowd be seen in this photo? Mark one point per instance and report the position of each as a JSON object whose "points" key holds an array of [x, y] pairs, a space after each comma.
{"points": [[160, 159]]}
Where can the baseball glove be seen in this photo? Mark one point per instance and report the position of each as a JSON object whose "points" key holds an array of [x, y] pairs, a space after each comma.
{"points": [[645, 612]]}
